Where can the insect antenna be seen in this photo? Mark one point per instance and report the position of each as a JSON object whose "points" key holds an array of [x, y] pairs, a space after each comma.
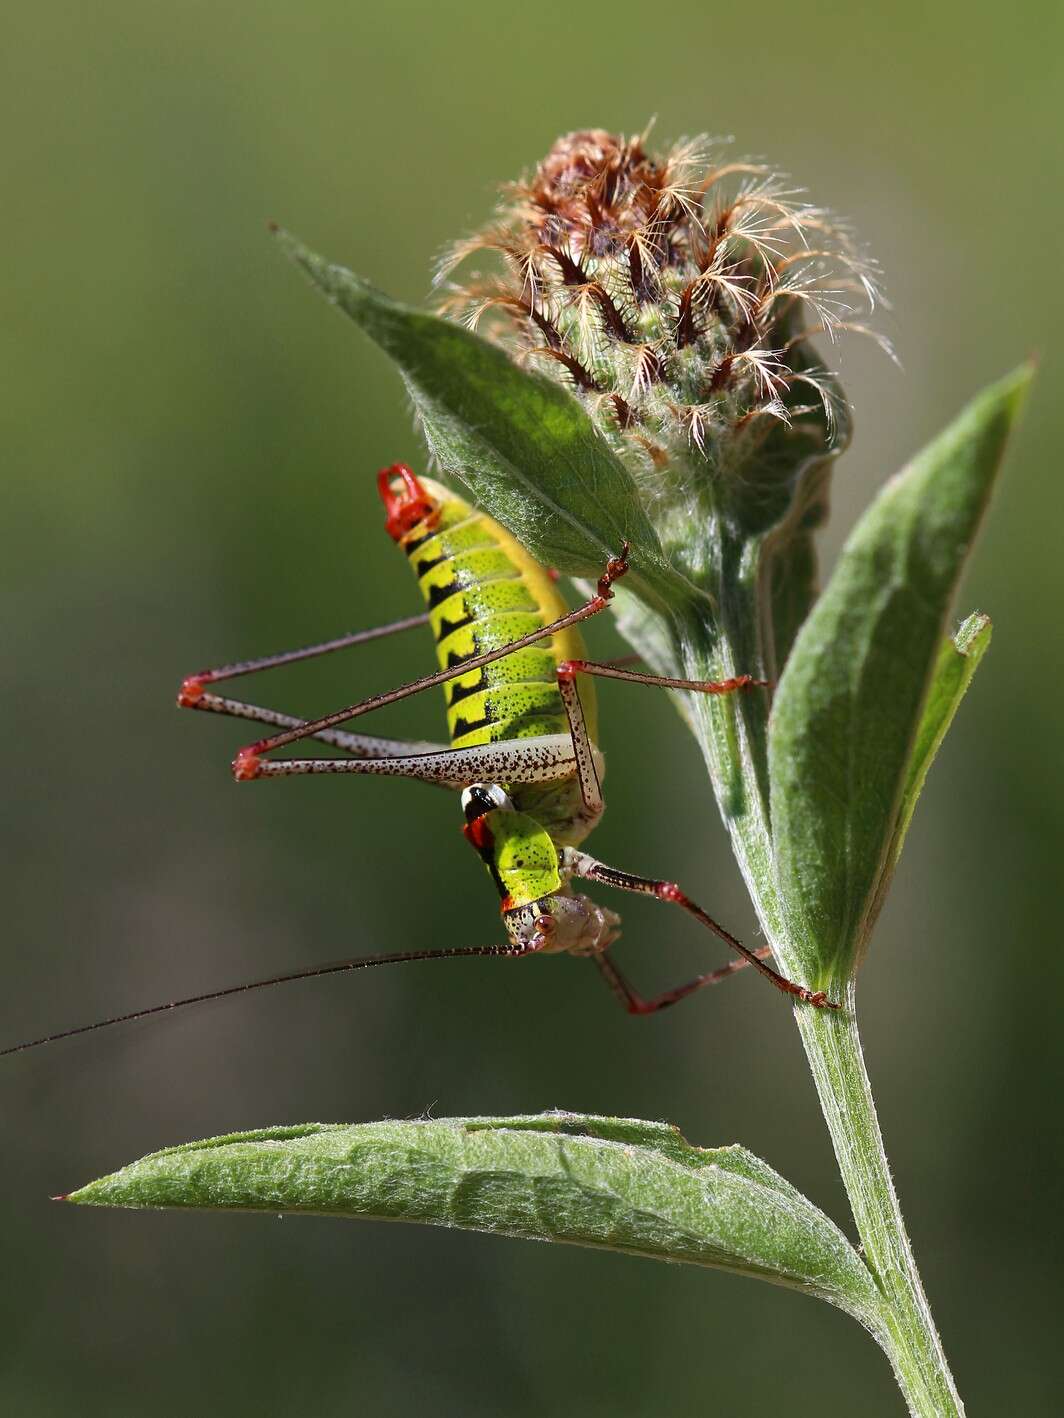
{"points": [[312, 972]]}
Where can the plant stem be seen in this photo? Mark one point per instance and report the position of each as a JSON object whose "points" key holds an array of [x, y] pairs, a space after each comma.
{"points": [[833, 1048], [904, 1328]]}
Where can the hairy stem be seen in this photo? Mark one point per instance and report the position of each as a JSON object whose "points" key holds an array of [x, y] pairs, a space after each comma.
{"points": [[833, 1048], [732, 738]]}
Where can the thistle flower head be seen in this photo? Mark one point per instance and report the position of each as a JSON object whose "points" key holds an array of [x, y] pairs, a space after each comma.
{"points": [[674, 294]]}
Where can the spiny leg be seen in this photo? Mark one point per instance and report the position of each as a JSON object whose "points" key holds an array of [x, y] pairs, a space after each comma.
{"points": [[587, 867], [583, 749], [248, 761], [614, 669], [193, 693], [582, 865], [193, 686], [634, 1002], [590, 787], [532, 760], [361, 745]]}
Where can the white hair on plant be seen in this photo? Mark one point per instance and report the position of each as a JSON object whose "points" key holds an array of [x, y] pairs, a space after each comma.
{"points": [[675, 294]]}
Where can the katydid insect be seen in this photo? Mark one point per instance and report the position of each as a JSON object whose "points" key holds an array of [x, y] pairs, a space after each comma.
{"points": [[522, 721]]}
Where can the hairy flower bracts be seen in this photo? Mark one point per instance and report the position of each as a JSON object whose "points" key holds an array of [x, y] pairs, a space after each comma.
{"points": [[675, 296]]}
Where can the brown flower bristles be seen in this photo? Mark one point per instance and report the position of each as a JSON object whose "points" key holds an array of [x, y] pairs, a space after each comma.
{"points": [[673, 294]]}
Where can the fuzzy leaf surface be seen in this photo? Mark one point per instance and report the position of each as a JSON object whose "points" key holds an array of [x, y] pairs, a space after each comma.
{"points": [[520, 443], [860, 708], [616, 1183]]}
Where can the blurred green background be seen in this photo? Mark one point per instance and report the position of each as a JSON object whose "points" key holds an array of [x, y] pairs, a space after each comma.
{"points": [[189, 436]]}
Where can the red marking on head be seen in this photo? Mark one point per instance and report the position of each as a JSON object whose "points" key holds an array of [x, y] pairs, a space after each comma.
{"points": [[554, 573], [669, 891], [406, 507], [246, 765], [191, 691], [63, 1196], [507, 904]]}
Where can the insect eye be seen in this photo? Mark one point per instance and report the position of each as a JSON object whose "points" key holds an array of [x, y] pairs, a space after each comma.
{"points": [[482, 798]]}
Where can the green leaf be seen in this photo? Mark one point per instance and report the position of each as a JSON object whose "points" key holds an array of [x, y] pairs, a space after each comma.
{"points": [[861, 707], [520, 443], [958, 660], [617, 1183]]}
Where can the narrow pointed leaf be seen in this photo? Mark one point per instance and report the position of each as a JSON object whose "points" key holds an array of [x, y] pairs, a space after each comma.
{"points": [[958, 660], [520, 443], [853, 726], [617, 1183]]}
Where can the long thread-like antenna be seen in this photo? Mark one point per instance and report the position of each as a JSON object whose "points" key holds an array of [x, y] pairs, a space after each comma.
{"points": [[313, 972]]}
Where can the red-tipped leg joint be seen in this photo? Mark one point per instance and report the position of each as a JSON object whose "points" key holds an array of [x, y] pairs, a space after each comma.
{"points": [[569, 669], [725, 686], [247, 765], [669, 891], [615, 569], [191, 691], [819, 998]]}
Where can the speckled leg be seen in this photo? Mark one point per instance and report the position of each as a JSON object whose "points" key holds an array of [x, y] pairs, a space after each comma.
{"points": [[532, 760], [360, 745], [249, 759], [583, 752], [634, 1002], [582, 865]]}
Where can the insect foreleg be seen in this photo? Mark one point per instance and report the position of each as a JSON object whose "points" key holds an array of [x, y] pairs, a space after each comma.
{"points": [[581, 865], [634, 1002]]}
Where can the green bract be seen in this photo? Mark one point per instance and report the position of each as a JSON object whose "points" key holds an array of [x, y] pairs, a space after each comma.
{"points": [[524, 449]]}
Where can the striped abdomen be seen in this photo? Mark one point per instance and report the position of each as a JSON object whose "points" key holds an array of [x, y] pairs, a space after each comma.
{"points": [[483, 591]]}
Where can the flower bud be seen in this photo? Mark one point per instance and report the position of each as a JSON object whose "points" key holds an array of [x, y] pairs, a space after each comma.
{"points": [[674, 295]]}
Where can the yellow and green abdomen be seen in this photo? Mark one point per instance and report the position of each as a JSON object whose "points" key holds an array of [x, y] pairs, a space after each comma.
{"points": [[483, 591]]}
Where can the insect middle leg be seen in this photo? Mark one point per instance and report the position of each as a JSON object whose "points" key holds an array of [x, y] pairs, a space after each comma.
{"points": [[586, 867], [634, 1002], [582, 865]]}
